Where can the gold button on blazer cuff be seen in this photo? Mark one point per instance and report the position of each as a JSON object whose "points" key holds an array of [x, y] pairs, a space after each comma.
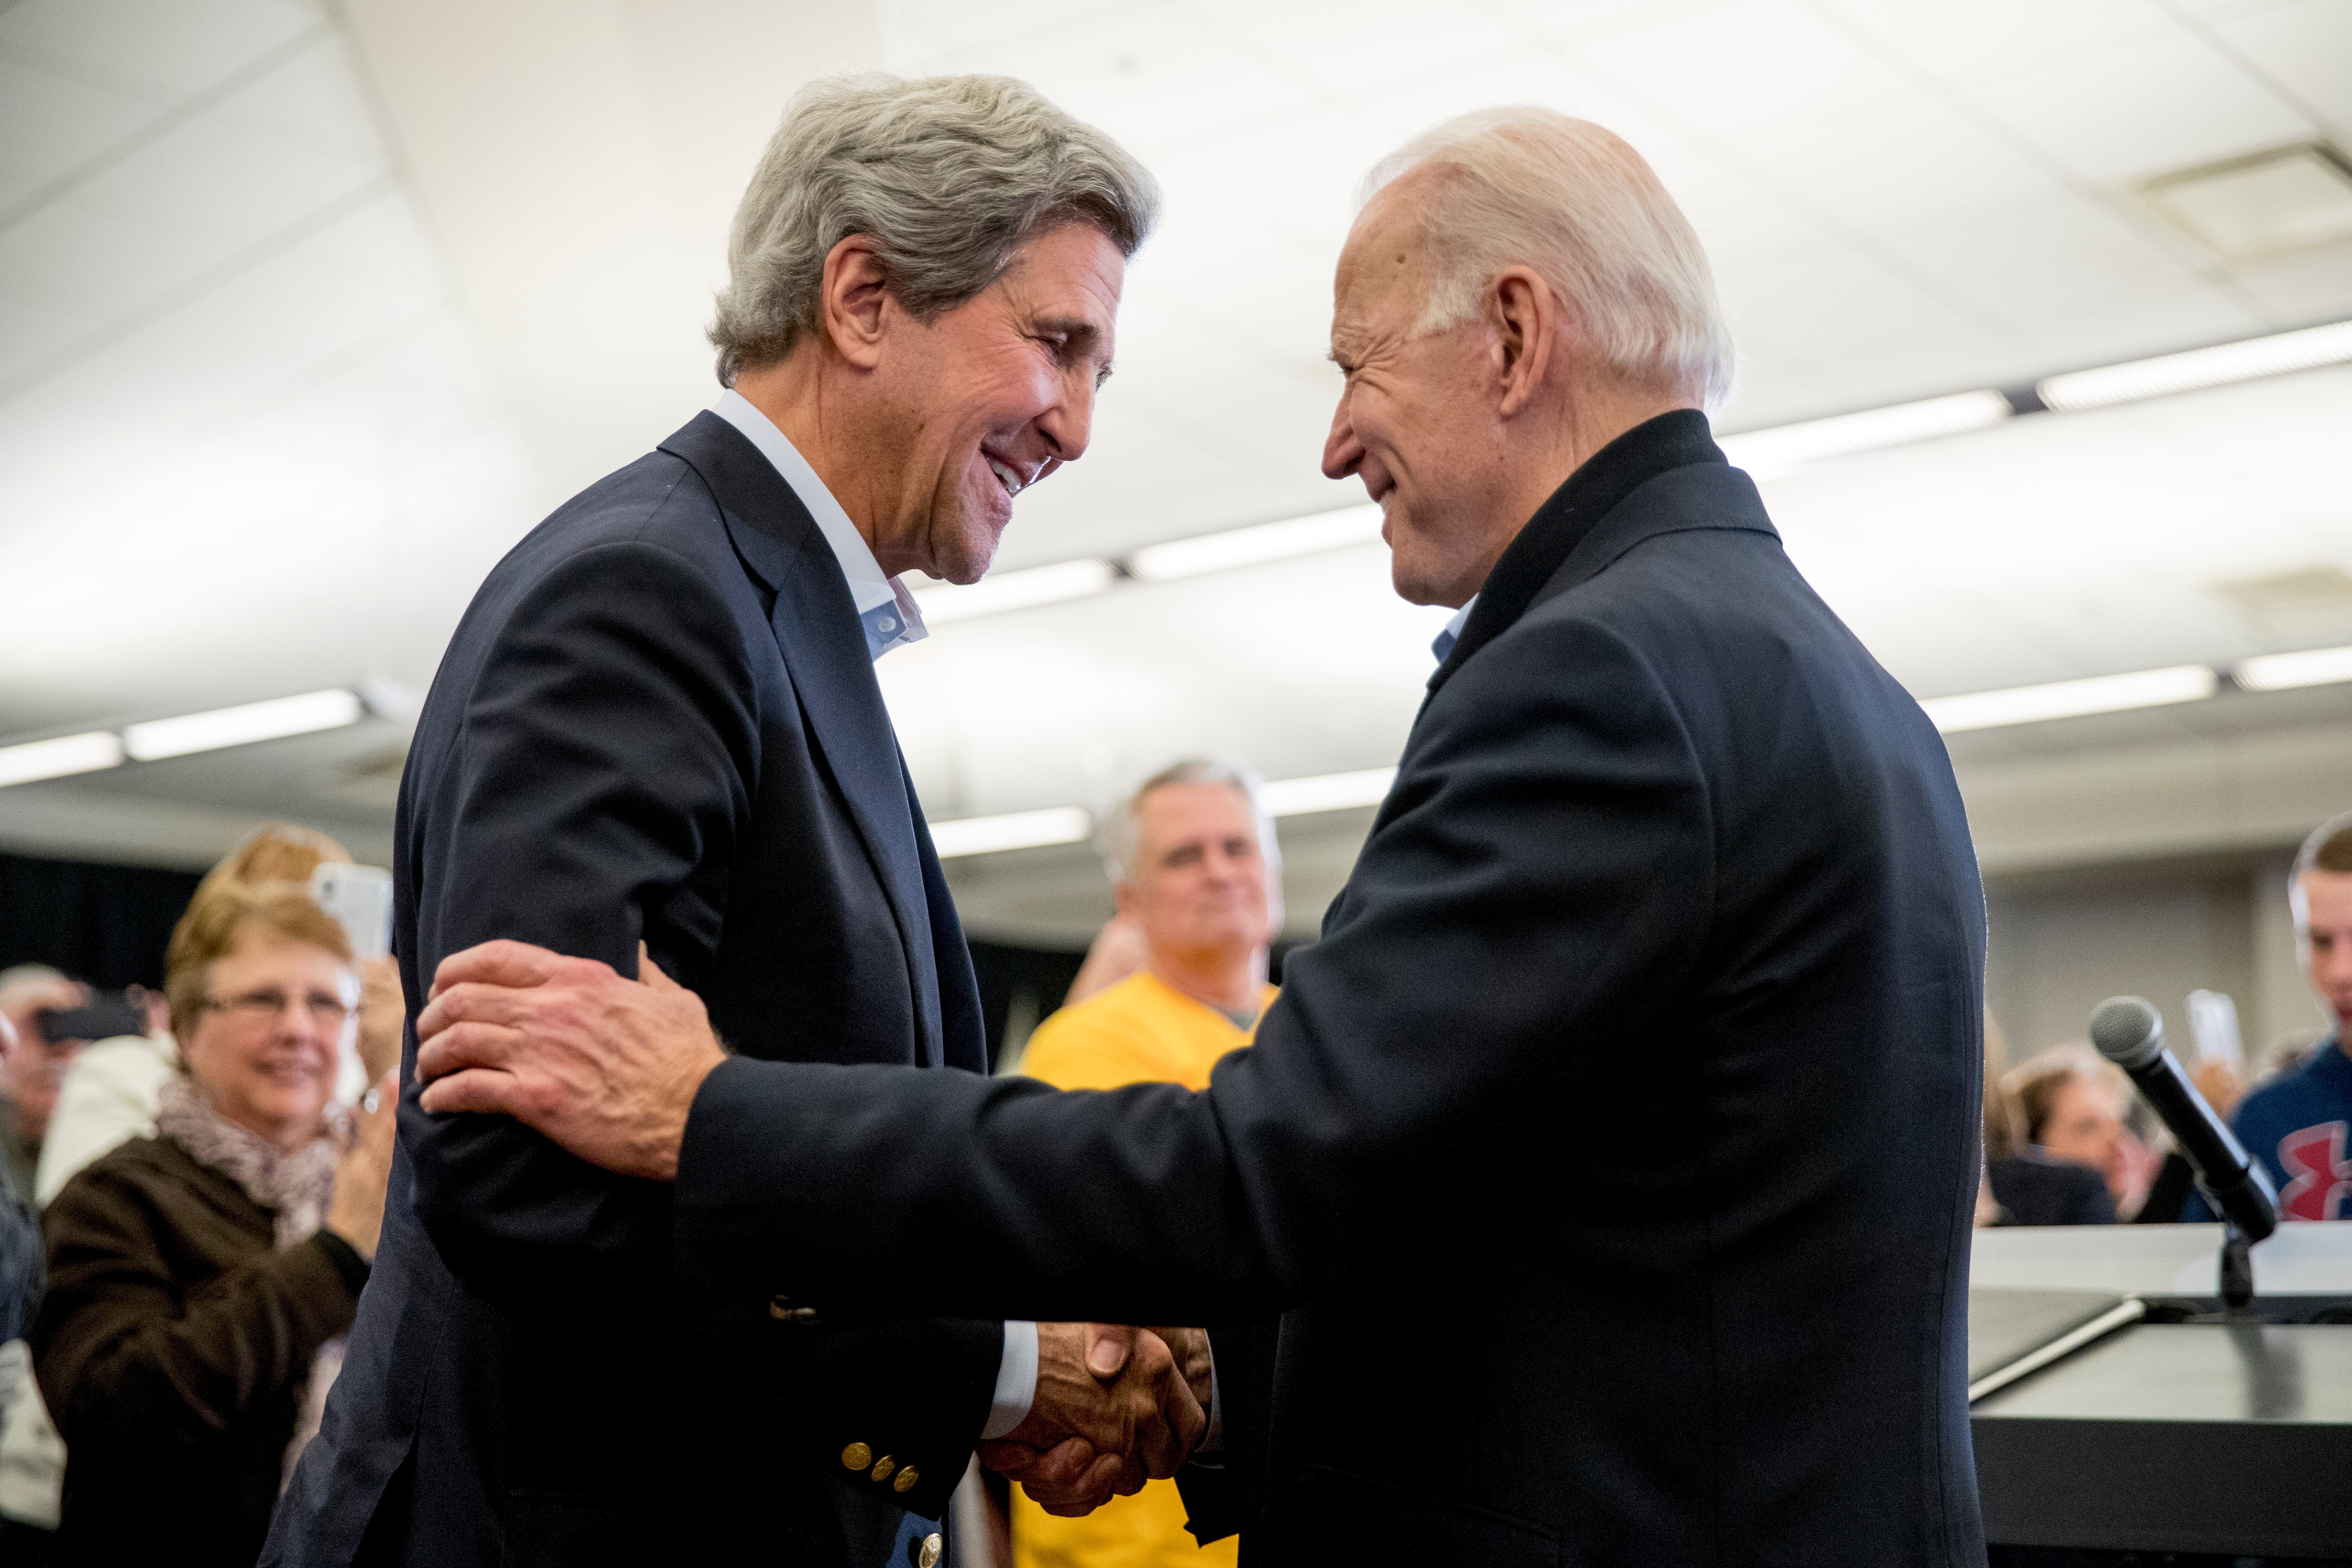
{"points": [[927, 1555], [856, 1456], [906, 1482], [883, 1466]]}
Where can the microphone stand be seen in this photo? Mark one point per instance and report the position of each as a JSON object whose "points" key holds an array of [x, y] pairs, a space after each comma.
{"points": [[2237, 1273]]}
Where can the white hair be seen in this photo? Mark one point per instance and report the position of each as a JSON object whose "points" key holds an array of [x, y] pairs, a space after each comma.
{"points": [[1120, 836], [948, 176], [1528, 188]]}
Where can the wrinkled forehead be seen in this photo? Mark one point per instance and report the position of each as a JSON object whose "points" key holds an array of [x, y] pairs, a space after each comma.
{"points": [[1383, 265]]}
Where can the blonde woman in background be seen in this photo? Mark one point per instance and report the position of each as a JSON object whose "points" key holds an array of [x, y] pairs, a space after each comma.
{"points": [[110, 1091], [201, 1280]]}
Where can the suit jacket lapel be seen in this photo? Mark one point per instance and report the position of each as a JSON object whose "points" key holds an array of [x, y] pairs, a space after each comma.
{"points": [[816, 628]]}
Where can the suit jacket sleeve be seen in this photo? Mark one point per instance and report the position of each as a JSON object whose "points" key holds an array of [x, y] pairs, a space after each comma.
{"points": [[1537, 880], [607, 744]]}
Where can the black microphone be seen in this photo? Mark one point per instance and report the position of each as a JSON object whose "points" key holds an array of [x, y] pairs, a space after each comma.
{"points": [[2130, 1033]]}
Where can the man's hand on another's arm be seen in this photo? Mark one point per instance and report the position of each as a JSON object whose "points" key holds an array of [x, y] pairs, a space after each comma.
{"points": [[1113, 1410], [605, 1067]]}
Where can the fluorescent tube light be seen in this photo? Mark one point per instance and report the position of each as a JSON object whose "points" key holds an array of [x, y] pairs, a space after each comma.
{"points": [[1784, 447], [1013, 590], [2071, 699], [1013, 830], [1252, 545], [55, 758], [271, 720], [1326, 792], [2282, 672], [2241, 361]]}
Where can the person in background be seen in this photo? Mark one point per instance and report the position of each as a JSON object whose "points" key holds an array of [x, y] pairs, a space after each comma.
{"points": [[1194, 871], [1116, 953], [32, 1068], [2028, 1184], [110, 1094], [200, 1280], [2296, 1124], [20, 1246]]}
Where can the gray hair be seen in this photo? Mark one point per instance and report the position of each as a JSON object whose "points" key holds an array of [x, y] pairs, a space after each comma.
{"points": [[1120, 836], [1529, 187], [948, 176]]}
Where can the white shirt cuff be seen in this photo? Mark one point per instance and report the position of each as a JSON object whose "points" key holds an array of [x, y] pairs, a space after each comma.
{"points": [[1213, 1441], [1016, 1381]]}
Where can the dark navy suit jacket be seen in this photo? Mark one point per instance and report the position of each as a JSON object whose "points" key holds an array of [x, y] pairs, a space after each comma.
{"points": [[658, 721], [1610, 1161]]}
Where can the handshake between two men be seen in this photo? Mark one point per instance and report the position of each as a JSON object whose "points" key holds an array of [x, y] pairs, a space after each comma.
{"points": [[1115, 1406], [608, 1068]]}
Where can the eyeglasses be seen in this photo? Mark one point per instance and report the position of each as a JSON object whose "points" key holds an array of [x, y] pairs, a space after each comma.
{"points": [[327, 1009]]}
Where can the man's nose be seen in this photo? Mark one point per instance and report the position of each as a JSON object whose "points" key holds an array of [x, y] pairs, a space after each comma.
{"points": [[1342, 452], [1069, 423]]}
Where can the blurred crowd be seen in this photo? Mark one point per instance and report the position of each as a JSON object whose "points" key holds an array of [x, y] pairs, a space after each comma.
{"points": [[2067, 1141]]}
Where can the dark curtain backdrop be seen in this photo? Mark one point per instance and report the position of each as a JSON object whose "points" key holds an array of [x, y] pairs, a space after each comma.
{"points": [[104, 924], [1037, 976]]}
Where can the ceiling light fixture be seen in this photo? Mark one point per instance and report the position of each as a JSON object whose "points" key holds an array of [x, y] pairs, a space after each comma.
{"points": [[1784, 447], [1326, 792], [1013, 590], [66, 754], [2246, 361], [1012, 830], [2071, 699], [2284, 671], [1253, 546], [243, 725]]}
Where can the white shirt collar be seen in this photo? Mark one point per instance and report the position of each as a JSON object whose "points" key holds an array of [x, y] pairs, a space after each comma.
{"points": [[884, 608], [1442, 644]]}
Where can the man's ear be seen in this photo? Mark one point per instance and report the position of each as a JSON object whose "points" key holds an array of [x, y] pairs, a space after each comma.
{"points": [[1122, 897], [853, 303], [1525, 317]]}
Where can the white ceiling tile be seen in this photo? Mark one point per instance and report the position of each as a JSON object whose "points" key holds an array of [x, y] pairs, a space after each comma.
{"points": [[176, 49], [1152, 77], [1942, 38], [50, 125], [1744, 68], [2304, 287], [1892, 159], [369, 275], [214, 192], [2115, 114], [2072, 281], [2307, 47], [1842, 318], [918, 32], [1542, 74], [1356, 46], [314, 96]]}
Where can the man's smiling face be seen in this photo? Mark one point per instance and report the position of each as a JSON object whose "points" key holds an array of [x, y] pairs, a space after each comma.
{"points": [[1415, 421], [992, 396]]}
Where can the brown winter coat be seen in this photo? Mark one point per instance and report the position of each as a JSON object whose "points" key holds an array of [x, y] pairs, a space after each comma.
{"points": [[171, 1347]]}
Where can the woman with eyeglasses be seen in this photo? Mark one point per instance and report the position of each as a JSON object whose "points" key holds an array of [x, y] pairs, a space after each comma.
{"points": [[201, 1280]]}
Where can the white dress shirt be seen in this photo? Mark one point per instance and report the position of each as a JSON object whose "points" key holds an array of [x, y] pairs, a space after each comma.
{"points": [[891, 619]]}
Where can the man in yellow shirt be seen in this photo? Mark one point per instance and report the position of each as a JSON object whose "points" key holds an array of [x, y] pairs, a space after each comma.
{"points": [[1193, 864]]}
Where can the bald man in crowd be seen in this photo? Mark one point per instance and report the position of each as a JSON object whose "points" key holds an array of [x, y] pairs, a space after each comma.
{"points": [[1528, 1231]]}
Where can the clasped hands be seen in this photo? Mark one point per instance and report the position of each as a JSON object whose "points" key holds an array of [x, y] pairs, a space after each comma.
{"points": [[608, 1068], [1115, 1406]]}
